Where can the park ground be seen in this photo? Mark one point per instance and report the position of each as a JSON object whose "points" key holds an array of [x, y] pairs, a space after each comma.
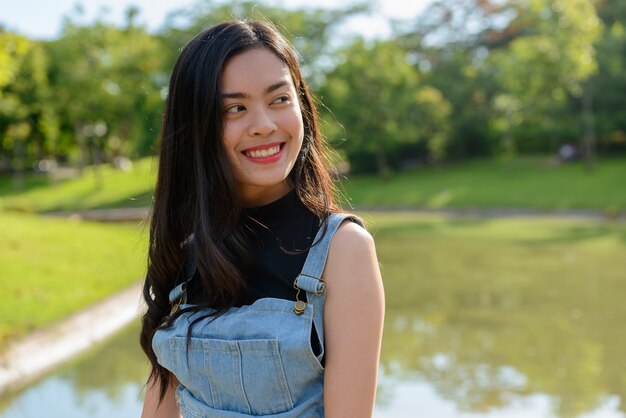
{"points": [[57, 267]]}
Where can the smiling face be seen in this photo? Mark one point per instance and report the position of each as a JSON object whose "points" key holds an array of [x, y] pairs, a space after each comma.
{"points": [[263, 129]]}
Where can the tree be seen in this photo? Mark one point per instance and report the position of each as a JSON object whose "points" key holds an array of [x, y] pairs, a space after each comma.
{"points": [[13, 49], [108, 84], [541, 67], [448, 42], [610, 81], [374, 94], [433, 112], [310, 29], [452, 25], [28, 125]]}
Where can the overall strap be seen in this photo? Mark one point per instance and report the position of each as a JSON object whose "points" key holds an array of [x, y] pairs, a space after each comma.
{"points": [[310, 279], [178, 295]]}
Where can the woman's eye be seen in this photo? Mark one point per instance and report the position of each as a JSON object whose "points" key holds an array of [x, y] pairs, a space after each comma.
{"points": [[235, 109], [281, 99]]}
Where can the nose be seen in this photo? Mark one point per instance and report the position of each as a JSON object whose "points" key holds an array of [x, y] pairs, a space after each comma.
{"points": [[262, 123]]}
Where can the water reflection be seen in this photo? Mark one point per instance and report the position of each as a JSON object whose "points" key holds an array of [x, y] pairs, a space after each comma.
{"points": [[104, 382], [491, 323], [57, 397], [417, 398], [484, 319]]}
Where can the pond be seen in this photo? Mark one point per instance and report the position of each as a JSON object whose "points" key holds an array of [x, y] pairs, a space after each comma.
{"points": [[485, 318]]}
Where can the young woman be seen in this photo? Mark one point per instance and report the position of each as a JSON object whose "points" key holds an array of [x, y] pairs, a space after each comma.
{"points": [[264, 298]]}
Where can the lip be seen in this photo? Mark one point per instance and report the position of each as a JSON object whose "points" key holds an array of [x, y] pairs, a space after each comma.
{"points": [[262, 147], [265, 160]]}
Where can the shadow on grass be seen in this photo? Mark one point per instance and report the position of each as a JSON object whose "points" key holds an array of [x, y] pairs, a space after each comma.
{"points": [[32, 181], [76, 203], [142, 200], [410, 226], [576, 234]]}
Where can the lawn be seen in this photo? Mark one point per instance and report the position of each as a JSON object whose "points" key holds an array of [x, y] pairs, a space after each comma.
{"points": [[50, 268], [532, 183], [526, 183], [118, 188]]}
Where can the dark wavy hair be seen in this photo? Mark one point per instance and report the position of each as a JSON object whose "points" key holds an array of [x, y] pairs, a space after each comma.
{"points": [[196, 191]]}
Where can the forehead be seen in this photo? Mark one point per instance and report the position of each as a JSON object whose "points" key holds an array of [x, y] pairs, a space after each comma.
{"points": [[254, 70]]}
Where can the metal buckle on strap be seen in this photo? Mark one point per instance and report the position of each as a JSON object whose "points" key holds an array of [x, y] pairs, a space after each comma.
{"points": [[177, 296], [300, 306], [310, 284]]}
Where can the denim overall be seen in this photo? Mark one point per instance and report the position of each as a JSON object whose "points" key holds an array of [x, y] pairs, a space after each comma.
{"points": [[254, 360]]}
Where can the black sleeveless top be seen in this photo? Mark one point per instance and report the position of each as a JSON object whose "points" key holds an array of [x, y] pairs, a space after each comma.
{"points": [[281, 233]]}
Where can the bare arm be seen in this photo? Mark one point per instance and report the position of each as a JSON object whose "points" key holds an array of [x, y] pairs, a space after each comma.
{"points": [[166, 409], [353, 324]]}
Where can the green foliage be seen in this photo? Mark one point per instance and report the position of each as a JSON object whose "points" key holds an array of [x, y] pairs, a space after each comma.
{"points": [[371, 93], [468, 90], [122, 71], [433, 121], [468, 78], [309, 29], [514, 72], [610, 82], [375, 98], [28, 124], [13, 48], [538, 70]]}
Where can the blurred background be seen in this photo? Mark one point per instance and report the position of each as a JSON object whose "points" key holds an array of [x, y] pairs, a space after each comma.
{"points": [[483, 140]]}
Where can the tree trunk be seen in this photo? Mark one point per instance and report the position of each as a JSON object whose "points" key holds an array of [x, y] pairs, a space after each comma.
{"points": [[82, 146], [381, 162], [18, 164], [509, 148], [94, 144], [588, 145]]}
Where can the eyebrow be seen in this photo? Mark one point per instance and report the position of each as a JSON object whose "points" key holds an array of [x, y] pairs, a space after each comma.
{"points": [[270, 89]]}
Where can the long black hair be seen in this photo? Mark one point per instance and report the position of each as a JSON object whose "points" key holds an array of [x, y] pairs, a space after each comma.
{"points": [[196, 191]]}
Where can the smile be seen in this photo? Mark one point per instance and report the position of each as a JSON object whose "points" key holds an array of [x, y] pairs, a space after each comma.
{"points": [[265, 153]]}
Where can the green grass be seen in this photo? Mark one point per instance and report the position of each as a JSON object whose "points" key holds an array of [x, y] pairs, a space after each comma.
{"points": [[119, 189], [532, 183], [50, 268]]}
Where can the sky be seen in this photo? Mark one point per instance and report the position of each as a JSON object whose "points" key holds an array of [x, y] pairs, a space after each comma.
{"points": [[41, 19]]}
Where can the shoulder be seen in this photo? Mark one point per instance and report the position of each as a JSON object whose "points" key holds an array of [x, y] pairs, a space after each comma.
{"points": [[352, 239], [352, 257]]}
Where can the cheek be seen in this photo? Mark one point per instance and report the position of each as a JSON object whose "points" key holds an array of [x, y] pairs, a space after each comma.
{"points": [[294, 123], [231, 133]]}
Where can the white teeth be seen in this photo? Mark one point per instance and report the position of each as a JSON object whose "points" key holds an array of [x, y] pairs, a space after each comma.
{"points": [[263, 153]]}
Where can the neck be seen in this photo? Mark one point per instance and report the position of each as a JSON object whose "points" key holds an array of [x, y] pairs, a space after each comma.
{"points": [[255, 196]]}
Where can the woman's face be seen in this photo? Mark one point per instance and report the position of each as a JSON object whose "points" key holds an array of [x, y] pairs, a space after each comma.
{"points": [[263, 128]]}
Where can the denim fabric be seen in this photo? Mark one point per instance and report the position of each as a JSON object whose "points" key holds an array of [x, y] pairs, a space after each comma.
{"points": [[254, 360]]}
